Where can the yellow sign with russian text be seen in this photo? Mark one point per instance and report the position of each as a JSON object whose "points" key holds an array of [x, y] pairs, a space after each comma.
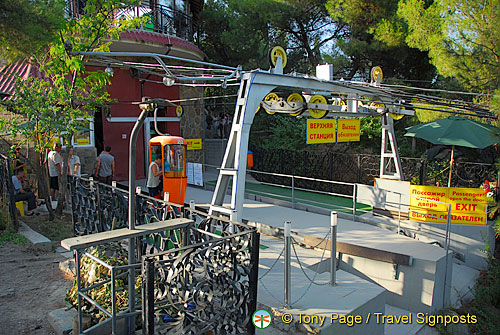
{"points": [[348, 130], [194, 143], [82, 141], [321, 131], [468, 205]]}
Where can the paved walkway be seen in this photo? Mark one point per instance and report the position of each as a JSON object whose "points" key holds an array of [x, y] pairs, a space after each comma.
{"points": [[318, 225]]}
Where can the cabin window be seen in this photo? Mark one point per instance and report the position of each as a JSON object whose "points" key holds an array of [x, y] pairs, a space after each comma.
{"points": [[174, 157]]}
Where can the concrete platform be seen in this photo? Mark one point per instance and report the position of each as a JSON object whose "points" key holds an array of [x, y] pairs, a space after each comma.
{"points": [[352, 296], [417, 287], [466, 241]]}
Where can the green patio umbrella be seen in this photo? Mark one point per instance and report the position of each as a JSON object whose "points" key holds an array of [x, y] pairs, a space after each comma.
{"points": [[456, 130]]}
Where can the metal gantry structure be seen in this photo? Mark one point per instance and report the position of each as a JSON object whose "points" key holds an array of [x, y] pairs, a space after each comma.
{"points": [[256, 85], [348, 99], [317, 98]]}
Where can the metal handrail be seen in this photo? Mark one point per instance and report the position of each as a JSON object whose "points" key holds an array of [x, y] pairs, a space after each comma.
{"points": [[162, 19]]}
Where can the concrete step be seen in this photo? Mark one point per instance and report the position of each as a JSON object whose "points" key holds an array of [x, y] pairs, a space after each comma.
{"points": [[39, 241], [62, 320]]}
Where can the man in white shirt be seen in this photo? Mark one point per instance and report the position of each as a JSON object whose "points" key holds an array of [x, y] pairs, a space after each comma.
{"points": [[55, 168], [73, 164]]}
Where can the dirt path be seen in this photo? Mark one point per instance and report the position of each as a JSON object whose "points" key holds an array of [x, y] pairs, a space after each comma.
{"points": [[31, 286]]}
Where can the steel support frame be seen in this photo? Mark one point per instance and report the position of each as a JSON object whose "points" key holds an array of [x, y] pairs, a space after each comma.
{"points": [[389, 155], [254, 86]]}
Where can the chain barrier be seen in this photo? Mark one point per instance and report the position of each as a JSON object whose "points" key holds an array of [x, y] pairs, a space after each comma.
{"points": [[272, 266], [316, 245], [272, 295], [311, 281]]}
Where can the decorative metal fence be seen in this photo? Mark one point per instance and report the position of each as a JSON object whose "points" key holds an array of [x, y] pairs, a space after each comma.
{"points": [[97, 207], [362, 168], [199, 279], [206, 287], [159, 18], [8, 202]]}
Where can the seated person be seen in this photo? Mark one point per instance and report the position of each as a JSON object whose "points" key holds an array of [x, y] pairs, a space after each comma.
{"points": [[23, 194]]}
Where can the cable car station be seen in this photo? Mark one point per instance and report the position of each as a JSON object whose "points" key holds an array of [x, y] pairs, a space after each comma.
{"points": [[414, 274]]}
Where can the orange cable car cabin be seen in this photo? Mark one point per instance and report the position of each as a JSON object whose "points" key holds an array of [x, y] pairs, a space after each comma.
{"points": [[172, 150]]}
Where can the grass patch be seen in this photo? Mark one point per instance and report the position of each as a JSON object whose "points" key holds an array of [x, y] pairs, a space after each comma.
{"points": [[56, 231], [7, 237]]}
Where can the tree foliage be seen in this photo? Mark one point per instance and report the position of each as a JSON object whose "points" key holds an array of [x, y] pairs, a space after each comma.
{"points": [[462, 38], [372, 41], [241, 32], [53, 104], [27, 26]]}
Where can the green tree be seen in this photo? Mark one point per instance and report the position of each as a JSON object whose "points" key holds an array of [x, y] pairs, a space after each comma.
{"points": [[372, 41], [241, 32], [278, 132], [54, 104], [461, 37], [27, 26]]}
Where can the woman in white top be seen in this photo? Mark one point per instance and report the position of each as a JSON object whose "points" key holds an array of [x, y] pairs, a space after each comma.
{"points": [[154, 183]]}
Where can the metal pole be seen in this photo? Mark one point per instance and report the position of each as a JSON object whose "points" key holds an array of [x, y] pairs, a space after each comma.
{"points": [[78, 288], [293, 192], [192, 206], [232, 218], [287, 264], [447, 249], [399, 214], [113, 302], [148, 327], [131, 217], [253, 278], [333, 247], [354, 198]]}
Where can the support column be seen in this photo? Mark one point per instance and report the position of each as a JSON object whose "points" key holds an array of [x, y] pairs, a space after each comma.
{"points": [[390, 163]]}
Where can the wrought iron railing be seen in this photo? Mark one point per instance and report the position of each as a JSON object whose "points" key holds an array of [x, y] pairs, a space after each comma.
{"points": [[201, 278], [362, 168], [206, 287], [159, 18], [97, 207], [8, 202]]}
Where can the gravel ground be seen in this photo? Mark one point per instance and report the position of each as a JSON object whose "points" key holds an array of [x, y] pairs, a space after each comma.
{"points": [[31, 286]]}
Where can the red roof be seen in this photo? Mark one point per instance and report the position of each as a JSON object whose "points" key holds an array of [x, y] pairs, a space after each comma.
{"points": [[153, 37], [9, 74]]}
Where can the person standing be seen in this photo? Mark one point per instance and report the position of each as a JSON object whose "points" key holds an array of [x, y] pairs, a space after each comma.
{"points": [[73, 164], [105, 167], [154, 183], [55, 168], [18, 164]]}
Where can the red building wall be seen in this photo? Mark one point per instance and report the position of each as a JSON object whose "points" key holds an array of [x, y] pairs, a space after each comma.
{"points": [[125, 90]]}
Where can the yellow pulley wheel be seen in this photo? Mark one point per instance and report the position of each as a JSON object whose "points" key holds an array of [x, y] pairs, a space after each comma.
{"points": [[338, 102], [377, 104], [274, 53], [179, 111], [295, 97], [397, 116], [376, 73], [318, 113], [270, 97]]}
